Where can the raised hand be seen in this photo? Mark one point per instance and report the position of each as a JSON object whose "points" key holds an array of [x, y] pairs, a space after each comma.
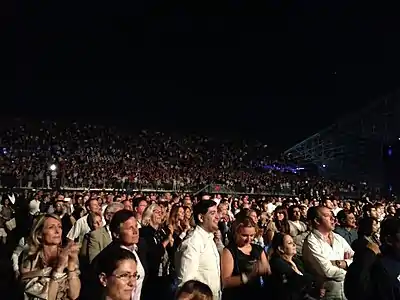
{"points": [[73, 253], [62, 261]]}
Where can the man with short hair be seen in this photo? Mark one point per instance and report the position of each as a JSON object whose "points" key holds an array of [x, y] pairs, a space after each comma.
{"points": [[101, 237], [127, 204], [81, 226], [326, 254], [197, 257], [67, 221], [139, 205], [187, 201]]}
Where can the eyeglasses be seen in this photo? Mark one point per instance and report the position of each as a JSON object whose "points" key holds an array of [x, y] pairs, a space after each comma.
{"points": [[126, 277]]}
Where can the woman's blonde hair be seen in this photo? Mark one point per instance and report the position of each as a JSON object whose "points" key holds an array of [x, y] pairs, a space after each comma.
{"points": [[35, 241], [243, 222], [148, 213]]}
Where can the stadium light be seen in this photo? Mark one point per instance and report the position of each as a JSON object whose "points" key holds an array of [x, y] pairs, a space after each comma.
{"points": [[53, 167]]}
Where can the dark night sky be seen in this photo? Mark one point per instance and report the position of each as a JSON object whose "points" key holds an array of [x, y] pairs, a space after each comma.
{"points": [[278, 70]]}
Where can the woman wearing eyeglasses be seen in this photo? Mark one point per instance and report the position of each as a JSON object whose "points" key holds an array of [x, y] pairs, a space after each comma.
{"points": [[125, 234], [118, 274]]}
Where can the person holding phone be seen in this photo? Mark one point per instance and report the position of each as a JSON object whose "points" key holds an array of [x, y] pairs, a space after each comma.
{"points": [[243, 264]]}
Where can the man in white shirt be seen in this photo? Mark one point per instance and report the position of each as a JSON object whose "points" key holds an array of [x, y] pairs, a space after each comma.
{"points": [[81, 226], [326, 254], [197, 257]]}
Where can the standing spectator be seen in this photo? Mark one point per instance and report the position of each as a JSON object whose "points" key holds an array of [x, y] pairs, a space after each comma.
{"points": [[139, 205], [243, 263], [81, 226], [125, 233], [157, 239], [118, 274], [347, 226], [6, 214], [47, 272], [198, 257], [368, 229], [67, 221], [374, 274], [101, 237], [326, 254]]}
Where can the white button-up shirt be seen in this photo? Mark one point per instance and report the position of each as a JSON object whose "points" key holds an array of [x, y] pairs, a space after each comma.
{"points": [[198, 259], [317, 256], [140, 270], [80, 228]]}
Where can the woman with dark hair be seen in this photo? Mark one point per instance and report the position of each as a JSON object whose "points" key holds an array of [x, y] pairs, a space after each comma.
{"points": [[288, 280], [125, 234], [117, 273], [194, 290], [280, 224], [6, 214]]}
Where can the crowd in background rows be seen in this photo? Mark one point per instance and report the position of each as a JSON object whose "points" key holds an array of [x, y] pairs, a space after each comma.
{"points": [[88, 156]]}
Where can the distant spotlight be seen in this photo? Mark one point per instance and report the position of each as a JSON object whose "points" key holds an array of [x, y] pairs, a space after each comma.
{"points": [[53, 167], [324, 166]]}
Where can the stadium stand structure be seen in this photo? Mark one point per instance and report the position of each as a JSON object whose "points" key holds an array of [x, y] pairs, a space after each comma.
{"points": [[354, 148]]}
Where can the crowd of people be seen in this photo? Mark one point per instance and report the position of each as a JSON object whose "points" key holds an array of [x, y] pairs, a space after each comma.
{"points": [[124, 246], [287, 235], [88, 156]]}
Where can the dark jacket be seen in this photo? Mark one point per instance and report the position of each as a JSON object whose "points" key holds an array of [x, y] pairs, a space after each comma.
{"points": [[91, 288], [372, 276], [142, 250], [285, 284]]}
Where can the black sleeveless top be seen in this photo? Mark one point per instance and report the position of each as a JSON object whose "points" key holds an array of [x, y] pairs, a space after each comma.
{"points": [[243, 263]]}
